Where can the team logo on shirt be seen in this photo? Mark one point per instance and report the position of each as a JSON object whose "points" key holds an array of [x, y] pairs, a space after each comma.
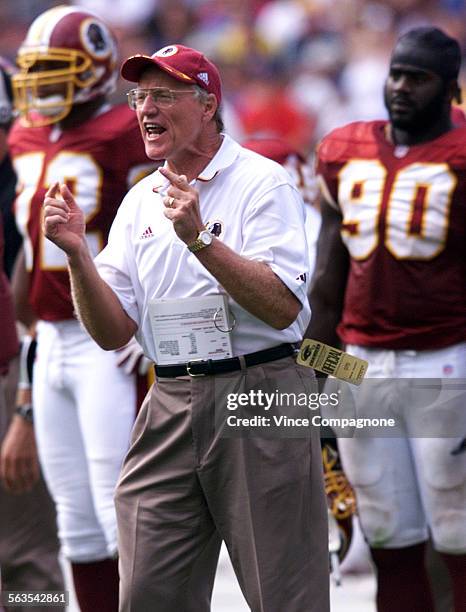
{"points": [[215, 227]]}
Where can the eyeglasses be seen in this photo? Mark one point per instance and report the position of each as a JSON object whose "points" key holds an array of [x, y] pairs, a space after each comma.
{"points": [[160, 96]]}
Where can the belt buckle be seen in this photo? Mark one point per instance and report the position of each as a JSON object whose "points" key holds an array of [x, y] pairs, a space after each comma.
{"points": [[189, 365]]}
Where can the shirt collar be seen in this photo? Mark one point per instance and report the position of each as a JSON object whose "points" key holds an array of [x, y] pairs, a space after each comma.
{"points": [[225, 156]]}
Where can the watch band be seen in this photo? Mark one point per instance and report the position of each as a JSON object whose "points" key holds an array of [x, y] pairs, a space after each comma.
{"points": [[26, 412], [199, 243]]}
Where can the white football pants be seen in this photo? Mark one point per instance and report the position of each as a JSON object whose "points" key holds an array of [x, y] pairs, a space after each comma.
{"points": [[84, 409]]}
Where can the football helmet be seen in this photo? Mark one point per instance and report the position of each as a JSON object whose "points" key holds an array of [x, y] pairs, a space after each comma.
{"points": [[68, 57]]}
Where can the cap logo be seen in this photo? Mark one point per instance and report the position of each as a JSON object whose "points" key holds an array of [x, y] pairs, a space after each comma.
{"points": [[203, 76], [166, 51]]}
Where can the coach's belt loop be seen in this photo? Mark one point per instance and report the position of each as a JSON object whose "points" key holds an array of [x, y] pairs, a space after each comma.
{"points": [[242, 362]]}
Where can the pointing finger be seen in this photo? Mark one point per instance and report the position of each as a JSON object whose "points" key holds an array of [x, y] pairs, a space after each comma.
{"points": [[52, 190], [167, 173], [66, 194], [178, 180]]}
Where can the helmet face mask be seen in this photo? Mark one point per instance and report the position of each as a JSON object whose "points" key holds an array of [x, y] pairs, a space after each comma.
{"points": [[68, 58]]}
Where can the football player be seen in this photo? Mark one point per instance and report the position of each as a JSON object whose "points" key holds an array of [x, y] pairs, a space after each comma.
{"points": [[390, 283], [29, 545], [84, 404]]}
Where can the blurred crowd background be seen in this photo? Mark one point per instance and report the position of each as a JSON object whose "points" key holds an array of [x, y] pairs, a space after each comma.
{"points": [[292, 69]]}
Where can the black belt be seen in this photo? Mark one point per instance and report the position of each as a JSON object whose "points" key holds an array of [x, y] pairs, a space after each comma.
{"points": [[207, 367]]}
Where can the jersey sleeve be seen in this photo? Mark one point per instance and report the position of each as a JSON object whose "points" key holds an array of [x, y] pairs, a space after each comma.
{"points": [[337, 148], [327, 168]]}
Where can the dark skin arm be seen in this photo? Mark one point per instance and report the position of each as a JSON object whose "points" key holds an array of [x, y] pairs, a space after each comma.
{"points": [[19, 464], [329, 281], [20, 286]]}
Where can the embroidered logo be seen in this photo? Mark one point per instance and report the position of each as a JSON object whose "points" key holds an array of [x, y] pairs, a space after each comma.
{"points": [[302, 277], [147, 233], [167, 51], [215, 227], [204, 76]]}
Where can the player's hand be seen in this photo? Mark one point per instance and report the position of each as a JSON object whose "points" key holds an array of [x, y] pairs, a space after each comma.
{"points": [[19, 464], [182, 206], [63, 220], [131, 358]]}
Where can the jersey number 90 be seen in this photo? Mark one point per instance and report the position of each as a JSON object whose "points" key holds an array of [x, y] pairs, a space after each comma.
{"points": [[409, 215]]}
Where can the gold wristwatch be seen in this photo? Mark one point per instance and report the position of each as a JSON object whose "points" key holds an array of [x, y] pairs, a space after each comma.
{"points": [[204, 238]]}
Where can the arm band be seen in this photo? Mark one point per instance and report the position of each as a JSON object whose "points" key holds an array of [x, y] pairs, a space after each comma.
{"points": [[26, 361]]}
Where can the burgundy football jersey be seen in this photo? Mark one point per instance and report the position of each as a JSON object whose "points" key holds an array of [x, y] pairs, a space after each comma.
{"points": [[404, 224], [99, 161]]}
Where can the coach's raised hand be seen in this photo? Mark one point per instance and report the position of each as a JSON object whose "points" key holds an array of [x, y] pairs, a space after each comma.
{"points": [[182, 206], [63, 221]]}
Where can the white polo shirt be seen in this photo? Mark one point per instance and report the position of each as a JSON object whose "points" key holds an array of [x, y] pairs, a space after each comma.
{"points": [[250, 203]]}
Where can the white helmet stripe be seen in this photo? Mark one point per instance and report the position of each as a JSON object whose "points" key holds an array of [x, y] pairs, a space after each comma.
{"points": [[42, 27]]}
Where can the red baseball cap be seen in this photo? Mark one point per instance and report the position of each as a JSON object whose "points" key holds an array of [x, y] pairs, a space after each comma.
{"points": [[182, 63]]}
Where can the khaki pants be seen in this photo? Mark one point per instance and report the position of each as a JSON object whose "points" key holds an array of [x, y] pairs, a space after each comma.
{"points": [[186, 485]]}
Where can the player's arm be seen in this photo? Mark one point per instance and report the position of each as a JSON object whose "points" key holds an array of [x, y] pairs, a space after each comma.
{"points": [[20, 282], [329, 281], [19, 463], [252, 284], [96, 304]]}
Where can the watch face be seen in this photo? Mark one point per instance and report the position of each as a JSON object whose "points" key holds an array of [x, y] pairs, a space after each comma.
{"points": [[206, 237]]}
